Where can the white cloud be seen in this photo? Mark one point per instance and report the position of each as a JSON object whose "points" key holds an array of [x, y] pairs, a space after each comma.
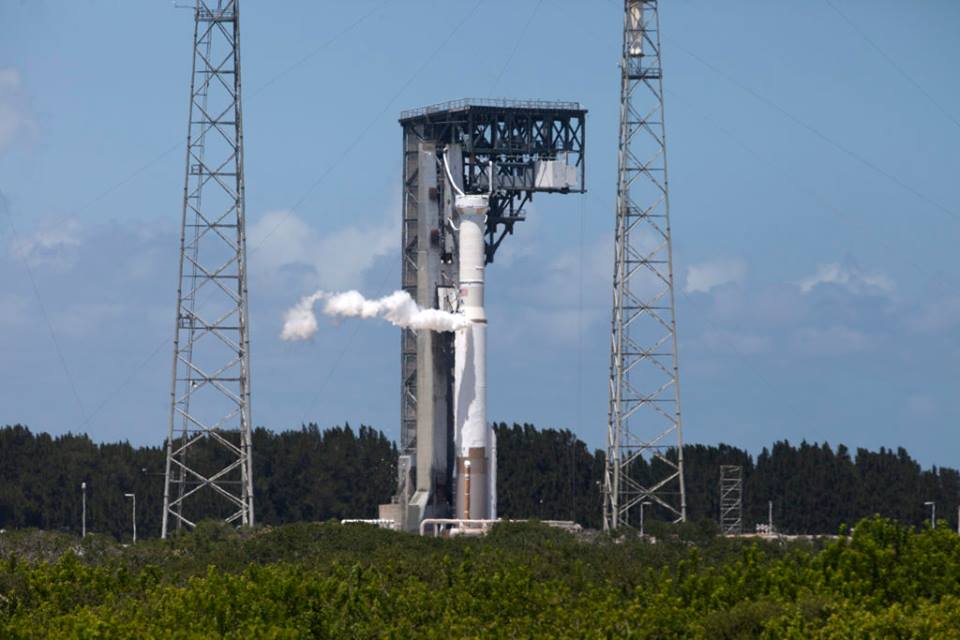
{"points": [[9, 80], [850, 277], [770, 306], [831, 341], [14, 117], [935, 317], [703, 277], [559, 326], [550, 292], [86, 318], [525, 244], [144, 264], [282, 242], [594, 268], [542, 300], [738, 343], [13, 310], [49, 245]]}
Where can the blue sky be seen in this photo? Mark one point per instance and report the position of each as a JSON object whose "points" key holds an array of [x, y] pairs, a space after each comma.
{"points": [[814, 209]]}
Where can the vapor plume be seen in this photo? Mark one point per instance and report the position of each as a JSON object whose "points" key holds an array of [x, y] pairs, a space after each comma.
{"points": [[398, 309]]}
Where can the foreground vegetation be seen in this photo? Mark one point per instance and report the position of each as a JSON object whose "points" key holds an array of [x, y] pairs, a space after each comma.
{"points": [[524, 580]]}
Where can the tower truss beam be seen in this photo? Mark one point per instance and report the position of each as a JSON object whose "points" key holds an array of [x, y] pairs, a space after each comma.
{"points": [[731, 499], [209, 471], [644, 435], [523, 147]]}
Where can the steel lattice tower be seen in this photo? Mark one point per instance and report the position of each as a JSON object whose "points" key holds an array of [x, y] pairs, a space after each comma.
{"points": [[731, 499], [208, 468], [644, 437]]}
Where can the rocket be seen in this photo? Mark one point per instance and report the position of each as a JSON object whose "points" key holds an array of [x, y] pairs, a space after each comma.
{"points": [[475, 471]]}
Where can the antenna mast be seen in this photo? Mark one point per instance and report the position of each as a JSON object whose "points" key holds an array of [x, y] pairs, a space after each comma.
{"points": [[644, 438], [209, 466]]}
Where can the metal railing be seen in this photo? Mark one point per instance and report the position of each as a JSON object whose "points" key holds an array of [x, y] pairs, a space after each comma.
{"points": [[461, 526], [383, 523], [501, 103]]}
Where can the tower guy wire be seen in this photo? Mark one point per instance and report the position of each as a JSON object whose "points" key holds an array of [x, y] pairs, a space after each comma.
{"points": [[893, 63], [17, 245], [340, 157], [839, 146]]}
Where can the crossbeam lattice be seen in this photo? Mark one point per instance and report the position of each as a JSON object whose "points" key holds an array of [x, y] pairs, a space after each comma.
{"points": [[209, 466], [644, 436]]}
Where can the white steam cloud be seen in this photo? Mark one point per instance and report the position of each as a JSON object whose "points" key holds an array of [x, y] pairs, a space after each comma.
{"points": [[398, 308]]}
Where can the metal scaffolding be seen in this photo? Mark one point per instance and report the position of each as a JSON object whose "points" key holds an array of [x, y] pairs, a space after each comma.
{"points": [[731, 499], [644, 437], [535, 146], [208, 467]]}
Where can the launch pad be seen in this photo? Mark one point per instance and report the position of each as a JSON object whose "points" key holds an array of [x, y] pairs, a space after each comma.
{"points": [[506, 151], [469, 169]]}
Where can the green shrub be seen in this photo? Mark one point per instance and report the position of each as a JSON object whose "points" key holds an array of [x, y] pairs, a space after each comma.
{"points": [[522, 580]]}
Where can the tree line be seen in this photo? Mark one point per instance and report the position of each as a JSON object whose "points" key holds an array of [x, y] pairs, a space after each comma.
{"points": [[814, 488], [300, 475], [314, 474]]}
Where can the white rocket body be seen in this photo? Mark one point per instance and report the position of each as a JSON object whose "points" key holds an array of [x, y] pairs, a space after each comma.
{"points": [[476, 463]]}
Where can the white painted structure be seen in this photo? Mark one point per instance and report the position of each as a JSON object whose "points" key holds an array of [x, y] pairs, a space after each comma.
{"points": [[475, 471], [456, 212], [453, 527]]}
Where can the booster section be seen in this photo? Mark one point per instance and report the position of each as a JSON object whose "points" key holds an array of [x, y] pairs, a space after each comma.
{"points": [[475, 472]]}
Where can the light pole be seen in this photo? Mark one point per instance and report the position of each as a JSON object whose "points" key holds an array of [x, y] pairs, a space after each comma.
{"points": [[83, 520], [134, 497], [933, 513], [770, 517], [642, 505]]}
